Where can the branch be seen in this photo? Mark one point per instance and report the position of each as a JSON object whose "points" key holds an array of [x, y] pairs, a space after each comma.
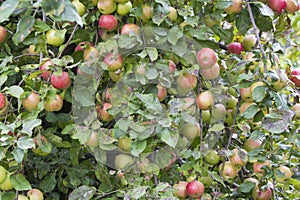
{"points": [[69, 40], [23, 55]]}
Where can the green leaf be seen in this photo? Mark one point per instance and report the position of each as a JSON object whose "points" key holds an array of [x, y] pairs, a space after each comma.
{"points": [[48, 183], [259, 93], [41, 26], [151, 74], [217, 127], [29, 125], [18, 154], [174, 34], [15, 91], [246, 187], [7, 8], [152, 53], [225, 34], [137, 192], [3, 78], [277, 121], [82, 193], [24, 28], [250, 112], [222, 4], [25, 143], [243, 22], [169, 137], [70, 14], [137, 147], [264, 9], [20, 182]]}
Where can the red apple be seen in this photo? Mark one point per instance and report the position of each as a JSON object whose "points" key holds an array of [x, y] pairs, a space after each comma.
{"points": [[45, 67], [2, 34], [82, 46], [62, 81], [205, 100], [250, 144], [108, 22], [257, 166], [103, 113], [239, 157], [172, 66], [265, 194], [106, 6], [282, 174], [53, 104], [246, 94], [130, 29], [228, 170], [235, 47], [211, 73], [35, 194], [277, 5], [31, 101], [161, 93], [3, 101], [180, 189], [108, 94], [185, 83], [206, 58], [113, 61], [195, 189], [235, 7], [295, 76], [296, 109], [292, 6]]}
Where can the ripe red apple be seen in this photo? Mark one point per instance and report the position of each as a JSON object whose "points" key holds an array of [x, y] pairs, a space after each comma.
{"points": [[205, 100], [3, 102], [93, 140], [191, 131], [130, 29], [172, 66], [123, 161], [235, 7], [161, 93], [2, 34], [108, 22], [212, 157], [228, 170], [62, 81], [91, 53], [257, 166], [185, 83], [239, 157], [103, 113], [180, 189], [124, 143], [42, 146], [53, 104], [172, 14], [31, 101], [106, 6], [250, 144], [296, 109], [124, 8], [249, 42], [108, 94], [45, 68], [277, 5], [292, 6], [265, 194], [206, 58], [113, 61], [147, 12], [195, 189], [246, 94], [211, 73], [35, 194], [295, 76], [235, 47], [282, 174]]}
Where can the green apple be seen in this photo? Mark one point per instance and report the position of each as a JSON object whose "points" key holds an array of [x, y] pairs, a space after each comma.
{"points": [[55, 37], [212, 157], [146, 12], [123, 161], [93, 140], [6, 185], [35, 194], [106, 6], [124, 8], [172, 14], [249, 42], [191, 131], [79, 7], [124, 143], [3, 174], [282, 174]]}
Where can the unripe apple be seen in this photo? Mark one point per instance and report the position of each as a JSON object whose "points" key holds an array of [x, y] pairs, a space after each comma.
{"points": [[55, 37], [245, 106], [295, 76], [265, 194], [195, 189], [91, 53], [296, 109], [2, 34], [172, 14], [22, 197], [124, 8], [123, 161], [93, 140], [103, 113], [44, 67], [206, 58], [231, 102], [116, 76], [212, 157], [130, 29], [249, 42], [209, 21], [113, 61], [124, 143], [206, 180], [108, 22], [82, 46], [35, 194], [79, 7], [235, 7], [239, 157], [191, 131], [228, 170], [180, 189], [53, 104], [161, 93], [6, 184], [205, 100], [292, 6], [206, 116], [3, 174], [277, 5], [31, 101], [146, 12], [218, 112], [282, 174], [229, 119], [246, 94], [106, 6], [250, 144], [185, 83], [235, 47], [62, 81], [172, 66], [257, 166]]}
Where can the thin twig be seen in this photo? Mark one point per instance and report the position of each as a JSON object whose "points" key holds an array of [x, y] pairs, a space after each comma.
{"points": [[69, 40], [23, 55]]}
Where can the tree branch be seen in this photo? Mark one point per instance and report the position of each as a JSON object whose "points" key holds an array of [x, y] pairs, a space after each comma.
{"points": [[69, 40]]}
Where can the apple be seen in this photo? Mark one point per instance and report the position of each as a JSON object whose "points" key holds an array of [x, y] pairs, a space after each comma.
{"points": [[91, 53], [124, 8], [212, 157], [180, 189], [82, 46], [228, 170], [79, 7], [205, 100], [246, 94], [106, 6], [206, 116], [295, 76], [44, 67], [206, 58], [172, 14], [161, 93], [235, 47], [292, 6], [22, 197], [113, 61], [52, 104], [123, 161], [2, 34], [209, 21], [93, 140], [172, 66], [130, 29], [264, 194], [108, 22], [55, 37], [249, 42], [124, 143], [296, 109], [31, 101], [231, 102], [245, 106], [42, 146], [147, 12], [229, 119], [191, 131], [185, 83], [6, 184], [195, 189], [62, 81], [108, 94], [257, 166], [235, 7], [105, 35], [206, 180], [251, 144], [103, 113], [3, 103], [3, 174], [282, 174], [277, 5], [35, 194], [211, 73], [218, 112], [239, 157], [116, 76]]}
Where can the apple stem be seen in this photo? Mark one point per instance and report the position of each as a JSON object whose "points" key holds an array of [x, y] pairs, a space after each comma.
{"points": [[257, 34], [69, 40]]}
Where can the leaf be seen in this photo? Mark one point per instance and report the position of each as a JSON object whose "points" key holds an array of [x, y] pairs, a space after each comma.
{"points": [[169, 137], [217, 127], [18, 154], [48, 183], [264, 9], [174, 34], [29, 125], [259, 93], [151, 73], [225, 34], [246, 187], [138, 192], [15, 91], [70, 14], [137, 147], [82, 193], [24, 28], [7, 8], [3, 78], [222, 4], [243, 22], [277, 121], [25, 143], [152, 53], [250, 112], [40, 26], [20, 182]]}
